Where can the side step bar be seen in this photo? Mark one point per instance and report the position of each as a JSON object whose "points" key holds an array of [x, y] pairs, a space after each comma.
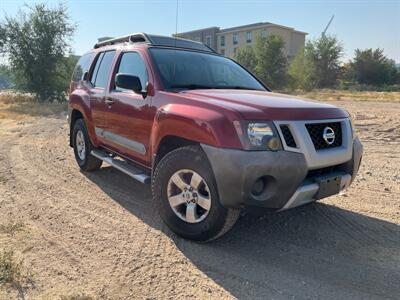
{"points": [[123, 166]]}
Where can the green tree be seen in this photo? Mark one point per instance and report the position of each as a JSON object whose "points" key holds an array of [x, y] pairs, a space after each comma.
{"points": [[271, 60], [246, 57], [373, 67], [36, 44], [325, 54], [302, 72], [5, 77]]}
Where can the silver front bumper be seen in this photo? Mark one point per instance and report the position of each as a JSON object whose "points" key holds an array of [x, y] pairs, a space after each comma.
{"points": [[306, 193]]}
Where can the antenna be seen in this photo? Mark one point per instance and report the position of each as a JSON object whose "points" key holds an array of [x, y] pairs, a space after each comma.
{"points": [[327, 26], [176, 19], [176, 36]]}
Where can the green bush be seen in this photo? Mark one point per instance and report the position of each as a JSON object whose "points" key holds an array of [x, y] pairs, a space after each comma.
{"points": [[271, 61], [247, 58], [372, 67]]}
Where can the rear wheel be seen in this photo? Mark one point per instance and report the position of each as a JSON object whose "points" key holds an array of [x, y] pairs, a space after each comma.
{"points": [[184, 189], [83, 147]]}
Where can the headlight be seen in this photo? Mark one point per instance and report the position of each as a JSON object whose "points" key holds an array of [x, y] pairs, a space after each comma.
{"points": [[258, 136]]}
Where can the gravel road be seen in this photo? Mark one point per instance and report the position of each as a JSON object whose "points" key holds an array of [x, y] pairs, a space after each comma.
{"points": [[98, 234]]}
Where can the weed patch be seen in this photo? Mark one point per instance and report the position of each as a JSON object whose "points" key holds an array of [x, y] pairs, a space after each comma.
{"points": [[12, 227], [11, 270]]}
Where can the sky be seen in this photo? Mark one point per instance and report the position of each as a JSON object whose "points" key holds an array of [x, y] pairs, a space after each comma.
{"points": [[357, 24]]}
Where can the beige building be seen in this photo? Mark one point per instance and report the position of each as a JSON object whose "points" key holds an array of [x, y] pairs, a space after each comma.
{"points": [[227, 41]]}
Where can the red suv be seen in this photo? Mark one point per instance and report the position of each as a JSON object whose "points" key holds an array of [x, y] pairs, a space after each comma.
{"points": [[207, 134]]}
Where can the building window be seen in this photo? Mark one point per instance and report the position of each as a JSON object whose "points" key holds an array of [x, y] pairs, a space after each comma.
{"points": [[248, 36], [208, 40], [235, 38], [234, 50], [223, 51], [222, 40], [263, 33]]}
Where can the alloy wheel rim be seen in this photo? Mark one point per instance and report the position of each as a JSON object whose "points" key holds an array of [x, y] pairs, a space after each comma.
{"points": [[80, 145], [189, 196]]}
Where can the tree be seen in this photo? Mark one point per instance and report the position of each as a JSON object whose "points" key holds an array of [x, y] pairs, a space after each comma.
{"points": [[271, 60], [373, 67], [302, 72], [325, 54], [5, 77], [36, 44], [246, 57]]}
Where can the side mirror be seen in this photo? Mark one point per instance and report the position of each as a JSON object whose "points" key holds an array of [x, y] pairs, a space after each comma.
{"points": [[128, 82], [85, 76]]}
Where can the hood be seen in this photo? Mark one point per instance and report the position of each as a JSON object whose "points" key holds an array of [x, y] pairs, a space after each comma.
{"points": [[260, 105]]}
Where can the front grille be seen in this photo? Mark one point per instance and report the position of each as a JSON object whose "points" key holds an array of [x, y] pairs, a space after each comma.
{"points": [[316, 132], [287, 135]]}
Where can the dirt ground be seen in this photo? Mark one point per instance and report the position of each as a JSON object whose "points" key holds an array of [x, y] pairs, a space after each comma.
{"points": [[98, 234]]}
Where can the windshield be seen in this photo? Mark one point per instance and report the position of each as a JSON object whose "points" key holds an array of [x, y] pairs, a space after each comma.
{"points": [[180, 69]]}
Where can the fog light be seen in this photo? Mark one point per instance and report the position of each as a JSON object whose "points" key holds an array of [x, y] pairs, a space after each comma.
{"points": [[258, 187], [273, 143]]}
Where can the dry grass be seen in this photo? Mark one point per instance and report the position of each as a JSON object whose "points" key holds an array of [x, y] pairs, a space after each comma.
{"points": [[12, 97], [76, 297], [12, 227], [3, 179], [16, 105], [342, 95], [12, 270]]}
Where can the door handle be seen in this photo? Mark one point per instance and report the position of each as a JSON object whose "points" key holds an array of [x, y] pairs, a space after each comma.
{"points": [[109, 101]]}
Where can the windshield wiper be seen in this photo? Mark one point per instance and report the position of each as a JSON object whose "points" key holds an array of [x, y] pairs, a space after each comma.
{"points": [[235, 87], [200, 86], [191, 86]]}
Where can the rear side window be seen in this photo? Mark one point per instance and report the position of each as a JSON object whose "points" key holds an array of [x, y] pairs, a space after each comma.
{"points": [[96, 68], [82, 66], [102, 69], [132, 64]]}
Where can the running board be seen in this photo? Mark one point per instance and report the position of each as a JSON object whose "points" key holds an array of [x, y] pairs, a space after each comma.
{"points": [[123, 166]]}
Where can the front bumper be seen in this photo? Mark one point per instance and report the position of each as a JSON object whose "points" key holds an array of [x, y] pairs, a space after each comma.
{"points": [[285, 176]]}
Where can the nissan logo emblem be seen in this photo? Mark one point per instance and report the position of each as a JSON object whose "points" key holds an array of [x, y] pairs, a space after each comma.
{"points": [[329, 135]]}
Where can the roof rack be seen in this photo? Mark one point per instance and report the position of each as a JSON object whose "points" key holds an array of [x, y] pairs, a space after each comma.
{"points": [[130, 38], [156, 40]]}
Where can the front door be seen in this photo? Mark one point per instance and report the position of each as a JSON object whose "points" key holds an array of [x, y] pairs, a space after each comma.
{"points": [[128, 113]]}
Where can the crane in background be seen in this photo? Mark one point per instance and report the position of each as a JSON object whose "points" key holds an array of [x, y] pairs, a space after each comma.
{"points": [[327, 26]]}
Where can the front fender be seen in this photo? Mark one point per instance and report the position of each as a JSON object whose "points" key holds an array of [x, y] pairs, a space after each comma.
{"points": [[196, 124]]}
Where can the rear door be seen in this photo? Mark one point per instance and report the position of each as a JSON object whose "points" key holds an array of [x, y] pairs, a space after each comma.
{"points": [[99, 82]]}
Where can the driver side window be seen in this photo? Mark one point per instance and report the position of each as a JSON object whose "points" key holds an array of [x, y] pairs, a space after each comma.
{"points": [[131, 63]]}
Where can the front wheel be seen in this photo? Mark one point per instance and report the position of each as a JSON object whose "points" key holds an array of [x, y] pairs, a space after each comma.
{"points": [[185, 191]]}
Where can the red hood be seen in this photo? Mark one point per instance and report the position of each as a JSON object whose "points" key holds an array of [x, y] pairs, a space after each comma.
{"points": [[260, 105]]}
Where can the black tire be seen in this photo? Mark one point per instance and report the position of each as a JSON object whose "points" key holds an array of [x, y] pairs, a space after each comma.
{"points": [[89, 162], [219, 219]]}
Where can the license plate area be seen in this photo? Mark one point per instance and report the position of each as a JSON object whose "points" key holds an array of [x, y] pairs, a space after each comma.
{"points": [[328, 186]]}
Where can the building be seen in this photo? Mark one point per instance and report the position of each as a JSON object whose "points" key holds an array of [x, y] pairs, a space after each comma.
{"points": [[227, 41], [207, 36]]}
